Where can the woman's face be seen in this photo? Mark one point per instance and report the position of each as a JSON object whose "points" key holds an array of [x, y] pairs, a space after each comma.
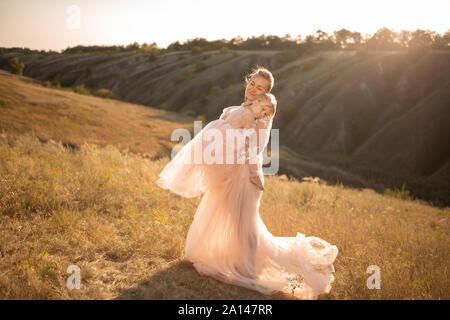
{"points": [[256, 86]]}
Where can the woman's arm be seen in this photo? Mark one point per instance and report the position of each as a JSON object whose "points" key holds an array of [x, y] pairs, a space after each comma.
{"points": [[262, 128]]}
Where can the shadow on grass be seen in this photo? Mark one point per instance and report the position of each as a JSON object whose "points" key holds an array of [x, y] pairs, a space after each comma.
{"points": [[181, 281]]}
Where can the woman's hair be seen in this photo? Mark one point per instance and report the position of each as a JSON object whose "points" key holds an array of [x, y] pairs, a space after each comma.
{"points": [[270, 100], [261, 72]]}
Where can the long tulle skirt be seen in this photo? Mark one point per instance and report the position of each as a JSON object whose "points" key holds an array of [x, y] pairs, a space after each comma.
{"points": [[228, 241]]}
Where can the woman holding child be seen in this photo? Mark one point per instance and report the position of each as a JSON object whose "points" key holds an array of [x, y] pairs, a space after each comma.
{"points": [[227, 239]]}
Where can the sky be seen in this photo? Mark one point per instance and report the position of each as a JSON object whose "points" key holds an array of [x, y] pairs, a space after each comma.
{"points": [[58, 24]]}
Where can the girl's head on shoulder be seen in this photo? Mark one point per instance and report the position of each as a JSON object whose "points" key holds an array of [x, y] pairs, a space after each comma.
{"points": [[262, 105]]}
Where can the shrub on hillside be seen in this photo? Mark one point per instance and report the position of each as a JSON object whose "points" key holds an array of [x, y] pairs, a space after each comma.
{"points": [[179, 79], [224, 50], [53, 74], [28, 80], [398, 193], [199, 67], [68, 80], [196, 50], [201, 118], [106, 93], [81, 89], [16, 66], [152, 57]]}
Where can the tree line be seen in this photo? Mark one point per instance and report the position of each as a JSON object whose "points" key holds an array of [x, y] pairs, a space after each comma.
{"points": [[343, 39]]}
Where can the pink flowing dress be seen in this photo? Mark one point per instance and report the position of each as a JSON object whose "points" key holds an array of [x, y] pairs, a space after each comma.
{"points": [[227, 239]]}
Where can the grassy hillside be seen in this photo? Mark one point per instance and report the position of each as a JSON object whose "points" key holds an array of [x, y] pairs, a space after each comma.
{"points": [[380, 117], [62, 115], [72, 118], [388, 109], [101, 209], [78, 188]]}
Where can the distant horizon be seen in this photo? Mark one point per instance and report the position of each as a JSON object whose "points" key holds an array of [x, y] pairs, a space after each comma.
{"points": [[210, 40], [59, 24]]}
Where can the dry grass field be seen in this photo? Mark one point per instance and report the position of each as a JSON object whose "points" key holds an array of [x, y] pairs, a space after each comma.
{"points": [[101, 209], [80, 190]]}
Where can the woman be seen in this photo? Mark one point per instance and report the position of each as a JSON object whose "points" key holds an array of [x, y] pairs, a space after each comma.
{"points": [[227, 239]]}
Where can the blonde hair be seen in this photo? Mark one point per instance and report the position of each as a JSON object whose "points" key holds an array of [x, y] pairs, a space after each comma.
{"points": [[271, 100], [259, 71]]}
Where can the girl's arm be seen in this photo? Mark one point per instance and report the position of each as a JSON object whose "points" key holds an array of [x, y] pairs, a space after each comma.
{"points": [[242, 122], [261, 124], [225, 113]]}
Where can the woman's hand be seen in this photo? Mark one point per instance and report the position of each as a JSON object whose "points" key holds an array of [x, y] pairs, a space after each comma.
{"points": [[256, 180]]}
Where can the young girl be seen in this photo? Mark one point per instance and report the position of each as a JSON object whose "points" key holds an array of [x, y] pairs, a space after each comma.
{"points": [[191, 172], [263, 108]]}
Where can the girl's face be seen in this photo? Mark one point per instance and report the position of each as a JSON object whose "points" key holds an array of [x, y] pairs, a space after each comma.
{"points": [[256, 86]]}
